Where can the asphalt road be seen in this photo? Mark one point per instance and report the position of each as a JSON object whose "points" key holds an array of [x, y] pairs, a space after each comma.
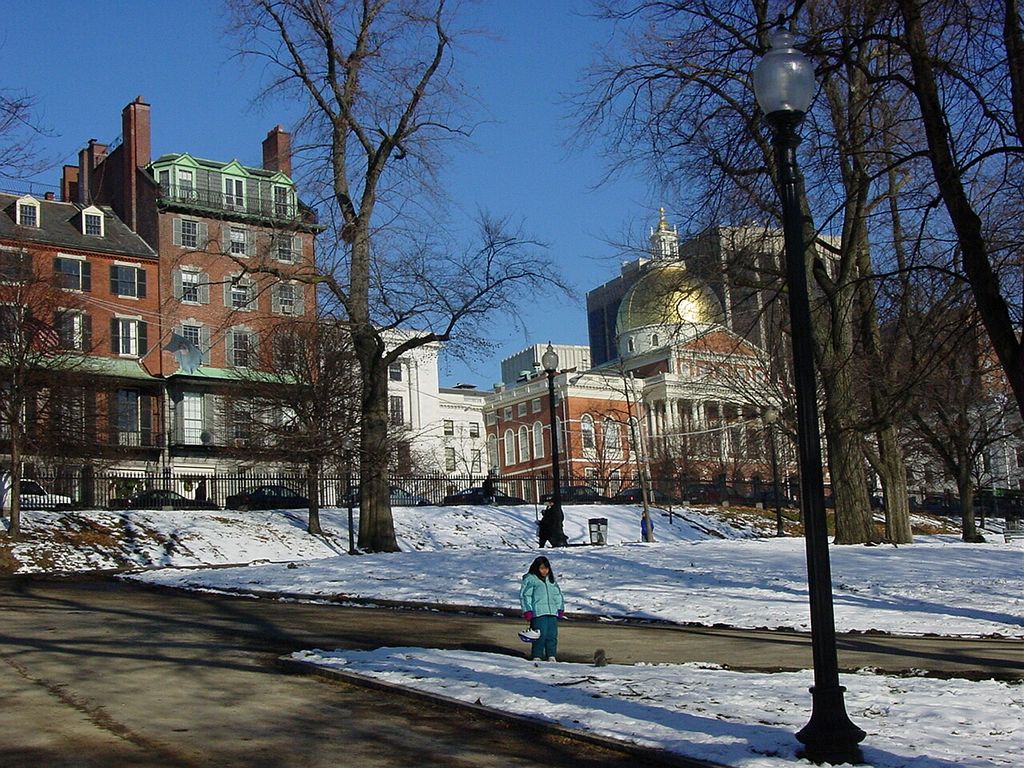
{"points": [[95, 672]]}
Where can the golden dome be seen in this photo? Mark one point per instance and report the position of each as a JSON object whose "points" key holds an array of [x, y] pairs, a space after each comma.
{"points": [[668, 295]]}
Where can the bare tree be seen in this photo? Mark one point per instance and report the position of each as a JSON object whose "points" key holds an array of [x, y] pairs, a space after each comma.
{"points": [[378, 79], [303, 404], [966, 65], [18, 132], [42, 338], [963, 409]]}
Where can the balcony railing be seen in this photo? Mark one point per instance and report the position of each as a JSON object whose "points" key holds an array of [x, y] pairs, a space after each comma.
{"points": [[221, 202]]}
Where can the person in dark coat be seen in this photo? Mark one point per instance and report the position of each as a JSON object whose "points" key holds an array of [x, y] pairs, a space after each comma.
{"points": [[488, 488], [549, 529]]}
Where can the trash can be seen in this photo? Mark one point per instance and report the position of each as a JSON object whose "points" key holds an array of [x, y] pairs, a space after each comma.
{"points": [[598, 530]]}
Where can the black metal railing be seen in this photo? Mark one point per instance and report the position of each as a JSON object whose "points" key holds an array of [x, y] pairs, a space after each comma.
{"points": [[220, 201]]}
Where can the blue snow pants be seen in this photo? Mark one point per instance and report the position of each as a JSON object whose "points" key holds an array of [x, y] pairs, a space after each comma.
{"points": [[547, 644]]}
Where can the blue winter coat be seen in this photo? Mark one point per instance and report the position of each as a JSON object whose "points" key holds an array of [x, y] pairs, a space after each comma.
{"points": [[542, 598]]}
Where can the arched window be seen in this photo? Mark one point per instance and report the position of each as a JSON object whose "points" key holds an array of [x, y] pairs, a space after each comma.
{"points": [[587, 431], [524, 443], [612, 443], [654, 339], [538, 440], [630, 346], [510, 447], [492, 451]]}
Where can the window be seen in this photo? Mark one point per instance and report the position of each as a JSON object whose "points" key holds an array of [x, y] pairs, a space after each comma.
{"points": [[73, 274], [240, 294], [128, 336], [286, 247], [234, 193], [492, 451], [535, 405], [521, 409], [126, 417], [241, 418], [238, 242], [449, 427], [285, 297], [538, 440], [449, 459], [282, 201], [590, 473], [128, 281], [93, 224], [28, 213], [191, 418], [630, 346], [612, 442], [524, 444], [506, 414], [11, 322], [491, 418], [396, 410], [474, 429], [510, 448], [185, 183], [241, 348], [395, 371], [188, 233], [15, 265], [587, 431], [475, 460], [195, 333], [654, 340], [73, 330], [190, 286]]}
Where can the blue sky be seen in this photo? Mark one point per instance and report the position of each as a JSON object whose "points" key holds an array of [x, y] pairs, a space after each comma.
{"points": [[84, 62]]}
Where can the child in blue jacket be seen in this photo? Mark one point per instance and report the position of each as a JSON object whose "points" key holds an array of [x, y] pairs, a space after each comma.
{"points": [[543, 606]]}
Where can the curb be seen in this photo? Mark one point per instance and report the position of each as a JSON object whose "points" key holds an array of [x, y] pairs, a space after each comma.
{"points": [[637, 751]]}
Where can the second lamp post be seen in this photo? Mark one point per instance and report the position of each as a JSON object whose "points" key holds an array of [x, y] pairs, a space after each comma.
{"points": [[549, 360]]}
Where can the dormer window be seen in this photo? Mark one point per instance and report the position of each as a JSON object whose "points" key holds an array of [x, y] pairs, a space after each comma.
{"points": [[28, 212], [234, 193], [92, 222]]}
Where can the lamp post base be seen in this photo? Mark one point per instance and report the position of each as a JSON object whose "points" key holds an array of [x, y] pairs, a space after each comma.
{"points": [[830, 736]]}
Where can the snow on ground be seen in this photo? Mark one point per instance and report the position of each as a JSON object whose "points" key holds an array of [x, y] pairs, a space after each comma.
{"points": [[701, 570], [701, 711]]}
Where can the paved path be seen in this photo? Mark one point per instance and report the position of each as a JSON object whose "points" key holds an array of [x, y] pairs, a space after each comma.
{"points": [[98, 673]]}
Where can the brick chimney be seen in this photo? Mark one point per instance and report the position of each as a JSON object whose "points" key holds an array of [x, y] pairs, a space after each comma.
{"points": [[136, 152], [277, 151], [88, 158], [69, 184]]}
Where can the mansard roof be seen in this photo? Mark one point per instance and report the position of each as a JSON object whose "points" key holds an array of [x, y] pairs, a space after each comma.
{"points": [[59, 225]]}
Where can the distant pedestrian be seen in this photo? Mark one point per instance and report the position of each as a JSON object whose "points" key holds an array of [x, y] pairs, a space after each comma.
{"points": [[488, 488], [549, 529], [543, 605]]}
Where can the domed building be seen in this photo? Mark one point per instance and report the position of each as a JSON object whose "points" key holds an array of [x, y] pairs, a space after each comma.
{"points": [[667, 305], [673, 388]]}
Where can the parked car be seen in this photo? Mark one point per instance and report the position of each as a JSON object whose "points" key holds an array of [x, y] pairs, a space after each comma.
{"points": [[710, 493], [579, 494], [475, 495], [635, 496], [402, 498], [399, 498], [267, 497], [32, 495], [160, 499]]}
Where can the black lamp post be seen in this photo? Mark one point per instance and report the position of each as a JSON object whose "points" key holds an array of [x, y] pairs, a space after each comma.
{"points": [[549, 360], [784, 86], [771, 416]]}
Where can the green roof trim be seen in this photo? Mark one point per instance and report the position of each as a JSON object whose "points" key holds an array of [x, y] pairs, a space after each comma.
{"points": [[234, 374], [111, 366]]}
